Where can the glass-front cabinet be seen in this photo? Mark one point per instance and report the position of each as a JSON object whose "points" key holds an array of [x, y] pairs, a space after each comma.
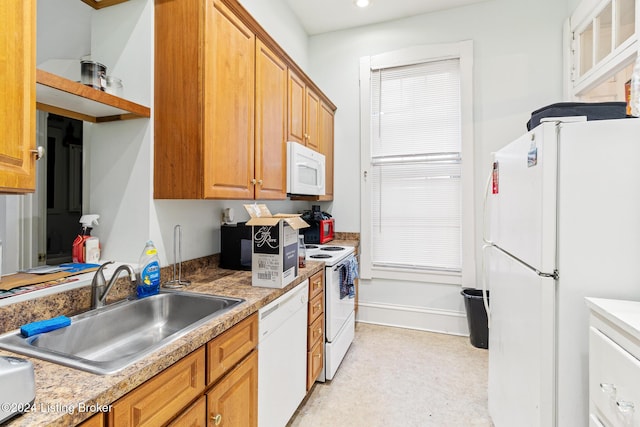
{"points": [[602, 43]]}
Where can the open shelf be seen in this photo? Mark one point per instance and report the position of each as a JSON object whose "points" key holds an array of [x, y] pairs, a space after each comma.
{"points": [[64, 97]]}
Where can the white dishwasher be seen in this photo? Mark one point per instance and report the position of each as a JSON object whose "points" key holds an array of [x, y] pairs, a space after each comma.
{"points": [[282, 356]]}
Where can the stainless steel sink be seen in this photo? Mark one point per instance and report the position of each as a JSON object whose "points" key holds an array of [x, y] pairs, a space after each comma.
{"points": [[106, 340]]}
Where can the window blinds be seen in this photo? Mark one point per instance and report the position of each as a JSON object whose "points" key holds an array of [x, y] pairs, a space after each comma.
{"points": [[416, 166]]}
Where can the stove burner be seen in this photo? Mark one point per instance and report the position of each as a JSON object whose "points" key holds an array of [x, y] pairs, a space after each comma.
{"points": [[311, 246], [332, 248], [323, 256]]}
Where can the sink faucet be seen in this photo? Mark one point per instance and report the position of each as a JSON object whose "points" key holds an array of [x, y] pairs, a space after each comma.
{"points": [[99, 286]]}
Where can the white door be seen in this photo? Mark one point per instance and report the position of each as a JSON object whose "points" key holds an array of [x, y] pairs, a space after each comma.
{"points": [[521, 344], [522, 200]]}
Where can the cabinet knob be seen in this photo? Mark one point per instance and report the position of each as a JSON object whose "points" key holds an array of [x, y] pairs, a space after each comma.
{"points": [[253, 181], [216, 419], [39, 152], [260, 182]]}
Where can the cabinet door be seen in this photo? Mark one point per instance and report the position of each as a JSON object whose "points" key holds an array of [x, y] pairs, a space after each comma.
{"points": [[234, 400], [229, 104], [326, 147], [271, 125], [17, 95], [158, 400], [312, 107], [95, 421], [194, 416], [296, 101], [315, 363], [227, 349]]}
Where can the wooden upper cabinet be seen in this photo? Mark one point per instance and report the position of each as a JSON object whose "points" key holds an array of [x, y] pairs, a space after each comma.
{"points": [[227, 99], [229, 102], [326, 136], [296, 101], [271, 124], [312, 112], [221, 103], [304, 107], [17, 95]]}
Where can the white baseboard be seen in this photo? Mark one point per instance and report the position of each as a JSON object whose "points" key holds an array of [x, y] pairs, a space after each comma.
{"points": [[424, 319]]}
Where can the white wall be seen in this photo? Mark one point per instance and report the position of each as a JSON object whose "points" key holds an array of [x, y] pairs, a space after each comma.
{"points": [[517, 68]]}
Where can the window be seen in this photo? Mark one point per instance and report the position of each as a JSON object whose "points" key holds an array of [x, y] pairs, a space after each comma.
{"points": [[417, 164]]}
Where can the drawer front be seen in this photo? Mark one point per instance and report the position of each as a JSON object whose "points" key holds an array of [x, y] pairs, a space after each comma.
{"points": [[315, 363], [316, 284], [614, 382], [226, 350], [316, 307], [315, 332], [159, 399]]}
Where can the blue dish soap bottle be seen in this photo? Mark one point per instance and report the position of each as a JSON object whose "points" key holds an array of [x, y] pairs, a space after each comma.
{"points": [[149, 282]]}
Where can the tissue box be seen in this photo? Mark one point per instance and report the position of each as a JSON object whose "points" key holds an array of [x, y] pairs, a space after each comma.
{"points": [[274, 254]]}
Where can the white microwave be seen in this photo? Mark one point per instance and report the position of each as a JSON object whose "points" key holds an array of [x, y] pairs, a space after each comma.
{"points": [[305, 171]]}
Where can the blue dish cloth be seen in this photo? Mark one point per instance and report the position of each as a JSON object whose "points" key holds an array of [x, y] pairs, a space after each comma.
{"points": [[348, 274], [74, 267], [42, 326]]}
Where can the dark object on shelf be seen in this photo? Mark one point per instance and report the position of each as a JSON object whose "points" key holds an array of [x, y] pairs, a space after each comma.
{"points": [[593, 111]]}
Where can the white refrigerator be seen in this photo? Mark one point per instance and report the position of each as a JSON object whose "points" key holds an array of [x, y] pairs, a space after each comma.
{"points": [[562, 215]]}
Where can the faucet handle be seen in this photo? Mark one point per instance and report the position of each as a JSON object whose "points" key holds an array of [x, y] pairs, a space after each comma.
{"points": [[98, 278]]}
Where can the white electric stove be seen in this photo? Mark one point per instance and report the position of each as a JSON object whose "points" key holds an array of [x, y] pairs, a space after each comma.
{"points": [[339, 312]]}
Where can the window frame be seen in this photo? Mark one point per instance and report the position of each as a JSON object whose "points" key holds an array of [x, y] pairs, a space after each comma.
{"points": [[463, 51]]}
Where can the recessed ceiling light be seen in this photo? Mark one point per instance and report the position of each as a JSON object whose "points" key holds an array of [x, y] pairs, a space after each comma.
{"points": [[362, 3]]}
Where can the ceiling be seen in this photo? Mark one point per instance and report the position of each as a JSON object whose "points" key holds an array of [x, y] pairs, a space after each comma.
{"points": [[321, 16]]}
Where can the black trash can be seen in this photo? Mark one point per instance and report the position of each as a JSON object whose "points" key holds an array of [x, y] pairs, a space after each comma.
{"points": [[476, 317]]}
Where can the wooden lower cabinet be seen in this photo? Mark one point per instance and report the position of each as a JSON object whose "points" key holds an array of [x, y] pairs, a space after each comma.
{"points": [[158, 400], [315, 328], [195, 416], [180, 396], [234, 400], [95, 421]]}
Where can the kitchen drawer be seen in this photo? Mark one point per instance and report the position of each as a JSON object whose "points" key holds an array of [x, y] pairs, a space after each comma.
{"points": [[158, 400], [316, 307], [226, 350], [316, 284], [315, 332], [315, 363], [614, 382]]}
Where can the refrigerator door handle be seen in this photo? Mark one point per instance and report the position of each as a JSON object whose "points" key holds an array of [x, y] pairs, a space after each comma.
{"points": [[555, 275], [485, 299]]}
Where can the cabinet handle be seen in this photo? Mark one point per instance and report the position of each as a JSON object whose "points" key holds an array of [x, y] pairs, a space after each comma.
{"points": [[625, 406], [319, 331], [39, 152], [253, 181], [260, 182], [216, 419]]}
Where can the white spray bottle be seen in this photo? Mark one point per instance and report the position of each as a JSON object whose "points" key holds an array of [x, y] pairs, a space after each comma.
{"points": [[85, 247]]}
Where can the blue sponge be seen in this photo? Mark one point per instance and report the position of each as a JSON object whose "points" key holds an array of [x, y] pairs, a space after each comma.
{"points": [[42, 326]]}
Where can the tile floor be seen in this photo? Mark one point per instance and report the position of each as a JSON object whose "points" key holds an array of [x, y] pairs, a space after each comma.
{"points": [[400, 377]]}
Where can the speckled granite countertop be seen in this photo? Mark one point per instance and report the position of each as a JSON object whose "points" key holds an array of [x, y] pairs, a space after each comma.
{"points": [[62, 391]]}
